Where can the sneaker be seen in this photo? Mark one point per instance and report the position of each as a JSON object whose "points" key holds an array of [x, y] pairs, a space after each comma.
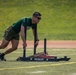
{"points": [[2, 57]]}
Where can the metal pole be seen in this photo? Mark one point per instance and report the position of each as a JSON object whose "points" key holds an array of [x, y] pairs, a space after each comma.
{"points": [[35, 33], [24, 52], [45, 45]]}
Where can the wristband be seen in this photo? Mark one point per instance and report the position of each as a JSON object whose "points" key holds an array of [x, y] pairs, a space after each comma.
{"points": [[37, 39]]}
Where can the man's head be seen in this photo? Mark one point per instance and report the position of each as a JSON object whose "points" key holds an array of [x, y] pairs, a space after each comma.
{"points": [[36, 17]]}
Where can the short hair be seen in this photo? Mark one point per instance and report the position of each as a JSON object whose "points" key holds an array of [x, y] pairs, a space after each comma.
{"points": [[36, 14]]}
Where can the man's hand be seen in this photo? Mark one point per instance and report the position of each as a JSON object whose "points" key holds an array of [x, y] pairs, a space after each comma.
{"points": [[37, 42], [24, 45]]}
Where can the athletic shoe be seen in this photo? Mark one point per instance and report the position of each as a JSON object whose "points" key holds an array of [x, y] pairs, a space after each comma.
{"points": [[2, 57]]}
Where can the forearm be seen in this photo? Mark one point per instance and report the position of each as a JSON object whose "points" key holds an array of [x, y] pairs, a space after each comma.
{"points": [[35, 35], [37, 39], [23, 34], [23, 37]]}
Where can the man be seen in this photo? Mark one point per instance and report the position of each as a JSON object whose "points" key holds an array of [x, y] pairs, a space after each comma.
{"points": [[12, 33]]}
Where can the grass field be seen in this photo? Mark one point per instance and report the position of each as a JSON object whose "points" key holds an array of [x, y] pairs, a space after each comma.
{"points": [[58, 23], [58, 17], [13, 67]]}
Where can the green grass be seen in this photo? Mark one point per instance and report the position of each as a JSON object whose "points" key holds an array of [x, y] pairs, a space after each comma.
{"points": [[58, 17], [13, 67]]}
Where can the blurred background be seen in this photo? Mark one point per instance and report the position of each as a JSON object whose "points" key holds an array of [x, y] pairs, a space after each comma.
{"points": [[58, 17]]}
